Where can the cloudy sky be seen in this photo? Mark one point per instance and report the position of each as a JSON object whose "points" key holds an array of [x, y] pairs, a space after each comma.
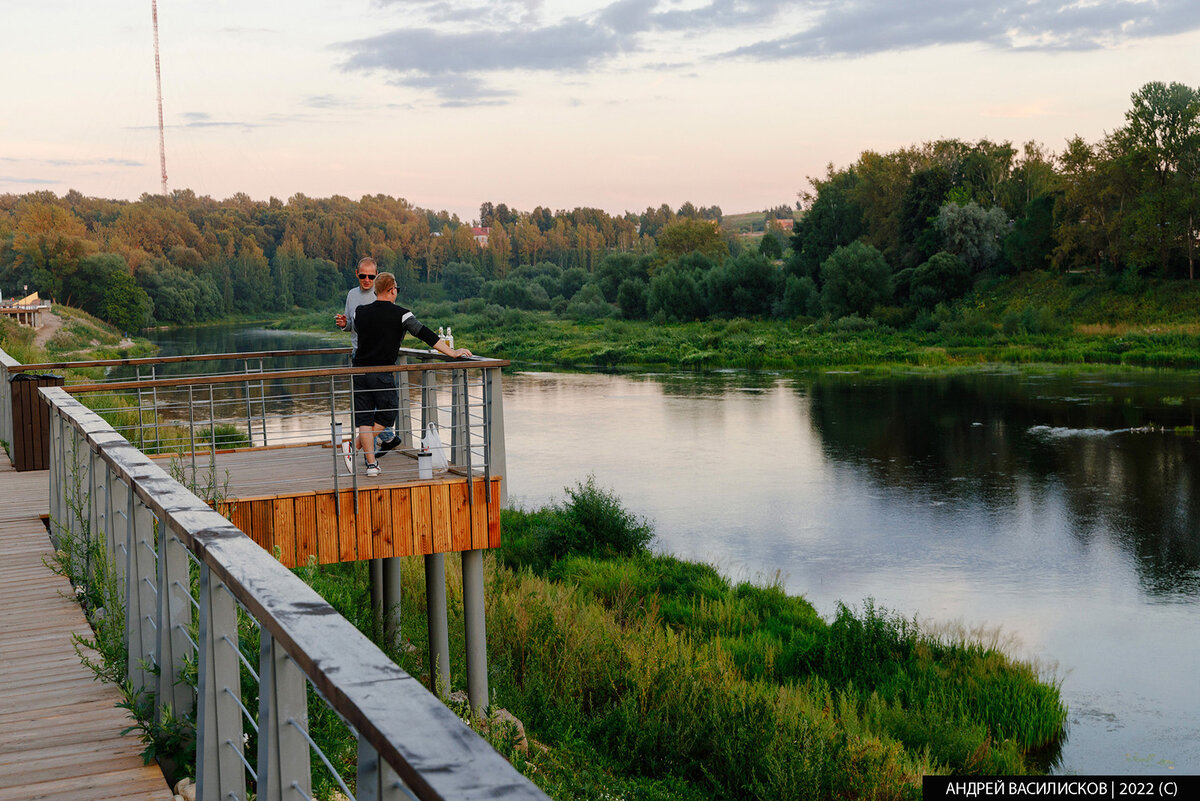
{"points": [[618, 104]]}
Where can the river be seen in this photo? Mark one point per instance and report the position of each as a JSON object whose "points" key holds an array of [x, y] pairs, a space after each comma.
{"points": [[1061, 507]]}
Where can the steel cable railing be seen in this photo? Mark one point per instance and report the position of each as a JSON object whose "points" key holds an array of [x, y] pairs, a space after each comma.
{"points": [[186, 571]]}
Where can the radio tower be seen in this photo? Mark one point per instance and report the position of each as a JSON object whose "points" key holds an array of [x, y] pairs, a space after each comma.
{"points": [[162, 142]]}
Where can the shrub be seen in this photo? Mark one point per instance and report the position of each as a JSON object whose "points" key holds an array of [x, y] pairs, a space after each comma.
{"points": [[589, 304]]}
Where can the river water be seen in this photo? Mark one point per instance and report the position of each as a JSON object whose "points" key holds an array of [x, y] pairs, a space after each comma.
{"points": [[1061, 507]]}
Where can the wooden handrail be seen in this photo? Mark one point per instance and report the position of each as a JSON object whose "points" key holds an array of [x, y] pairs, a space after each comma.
{"points": [[151, 360], [314, 372]]}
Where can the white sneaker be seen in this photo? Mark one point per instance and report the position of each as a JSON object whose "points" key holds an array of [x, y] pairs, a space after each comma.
{"points": [[372, 468]]}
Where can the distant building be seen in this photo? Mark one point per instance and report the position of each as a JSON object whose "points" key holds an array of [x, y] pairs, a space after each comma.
{"points": [[786, 224], [481, 235]]}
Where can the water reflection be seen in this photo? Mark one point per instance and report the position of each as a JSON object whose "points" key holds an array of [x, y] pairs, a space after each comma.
{"points": [[1108, 445]]}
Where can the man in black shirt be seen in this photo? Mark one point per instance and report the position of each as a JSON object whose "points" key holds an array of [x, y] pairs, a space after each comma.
{"points": [[381, 327]]}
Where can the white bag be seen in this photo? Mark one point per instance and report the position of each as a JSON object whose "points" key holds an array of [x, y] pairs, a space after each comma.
{"points": [[433, 443]]}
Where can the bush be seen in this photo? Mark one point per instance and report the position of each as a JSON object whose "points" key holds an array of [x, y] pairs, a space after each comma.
{"points": [[589, 304], [516, 293], [591, 523]]}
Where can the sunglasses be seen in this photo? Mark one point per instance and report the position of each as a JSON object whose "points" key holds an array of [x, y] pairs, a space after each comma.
{"points": [[365, 275]]}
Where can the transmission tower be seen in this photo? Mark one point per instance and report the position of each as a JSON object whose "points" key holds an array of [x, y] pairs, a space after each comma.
{"points": [[162, 142]]}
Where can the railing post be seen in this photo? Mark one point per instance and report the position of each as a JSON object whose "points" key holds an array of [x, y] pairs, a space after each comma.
{"points": [[55, 481], [74, 489], [154, 400], [376, 779], [476, 630], [439, 628], [429, 410], [93, 535], [496, 458], [173, 623], [114, 543], [6, 432], [404, 414], [458, 421], [284, 762], [220, 773], [249, 413], [140, 589]]}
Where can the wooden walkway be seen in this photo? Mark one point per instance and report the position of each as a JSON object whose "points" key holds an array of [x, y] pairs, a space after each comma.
{"points": [[59, 728]]}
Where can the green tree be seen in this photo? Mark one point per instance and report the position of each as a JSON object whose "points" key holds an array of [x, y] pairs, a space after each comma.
{"points": [[973, 233], [691, 236], [125, 304], [833, 219], [1162, 137], [854, 280]]}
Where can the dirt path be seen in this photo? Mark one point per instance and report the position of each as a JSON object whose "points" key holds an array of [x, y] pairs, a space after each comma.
{"points": [[51, 323]]}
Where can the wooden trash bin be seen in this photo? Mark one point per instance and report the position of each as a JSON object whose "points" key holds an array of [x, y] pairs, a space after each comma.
{"points": [[31, 421]]}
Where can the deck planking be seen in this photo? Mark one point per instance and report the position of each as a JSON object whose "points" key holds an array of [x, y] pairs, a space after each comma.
{"points": [[60, 729]]}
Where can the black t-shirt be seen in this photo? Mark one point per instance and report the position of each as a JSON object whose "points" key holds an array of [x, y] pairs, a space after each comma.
{"points": [[381, 327]]}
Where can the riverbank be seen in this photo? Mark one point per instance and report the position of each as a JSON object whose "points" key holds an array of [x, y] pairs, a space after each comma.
{"points": [[1028, 319], [638, 675]]}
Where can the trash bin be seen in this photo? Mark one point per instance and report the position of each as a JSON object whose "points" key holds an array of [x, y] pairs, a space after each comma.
{"points": [[31, 421]]}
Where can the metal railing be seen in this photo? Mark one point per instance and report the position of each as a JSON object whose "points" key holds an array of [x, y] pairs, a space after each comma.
{"points": [[160, 541], [201, 415], [8, 368]]}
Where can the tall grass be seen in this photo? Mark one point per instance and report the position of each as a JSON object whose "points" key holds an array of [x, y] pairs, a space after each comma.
{"points": [[645, 676]]}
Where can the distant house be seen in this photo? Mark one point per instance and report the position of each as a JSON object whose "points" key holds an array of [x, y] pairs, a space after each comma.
{"points": [[481, 235], [786, 224]]}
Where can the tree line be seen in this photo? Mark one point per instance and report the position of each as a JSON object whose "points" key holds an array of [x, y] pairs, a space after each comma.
{"points": [[890, 237]]}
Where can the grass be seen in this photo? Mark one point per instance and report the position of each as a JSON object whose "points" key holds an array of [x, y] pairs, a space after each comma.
{"points": [[644, 676], [1025, 319]]}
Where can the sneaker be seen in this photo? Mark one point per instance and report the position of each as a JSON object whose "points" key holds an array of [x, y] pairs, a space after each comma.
{"points": [[387, 445], [372, 468], [384, 436]]}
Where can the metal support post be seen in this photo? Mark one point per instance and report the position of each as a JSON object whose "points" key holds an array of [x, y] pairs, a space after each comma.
{"points": [[495, 415], [391, 600], [284, 760], [262, 392], [477, 682], [376, 581], [439, 628], [141, 603], [249, 413], [458, 419], [192, 431], [173, 624], [219, 769], [141, 420], [154, 400]]}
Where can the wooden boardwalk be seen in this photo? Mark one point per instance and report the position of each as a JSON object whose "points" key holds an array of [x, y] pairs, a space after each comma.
{"points": [[59, 728]]}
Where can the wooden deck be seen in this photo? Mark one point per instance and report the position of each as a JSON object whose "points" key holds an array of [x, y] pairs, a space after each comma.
{"points": [[285, 500], [59, 728]]}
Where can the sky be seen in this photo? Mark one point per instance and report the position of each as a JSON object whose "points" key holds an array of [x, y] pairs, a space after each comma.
{"points": [[615, 104]]}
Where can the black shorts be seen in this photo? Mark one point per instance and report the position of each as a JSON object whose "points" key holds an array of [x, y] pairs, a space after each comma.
{"points": [[375, 400]]}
